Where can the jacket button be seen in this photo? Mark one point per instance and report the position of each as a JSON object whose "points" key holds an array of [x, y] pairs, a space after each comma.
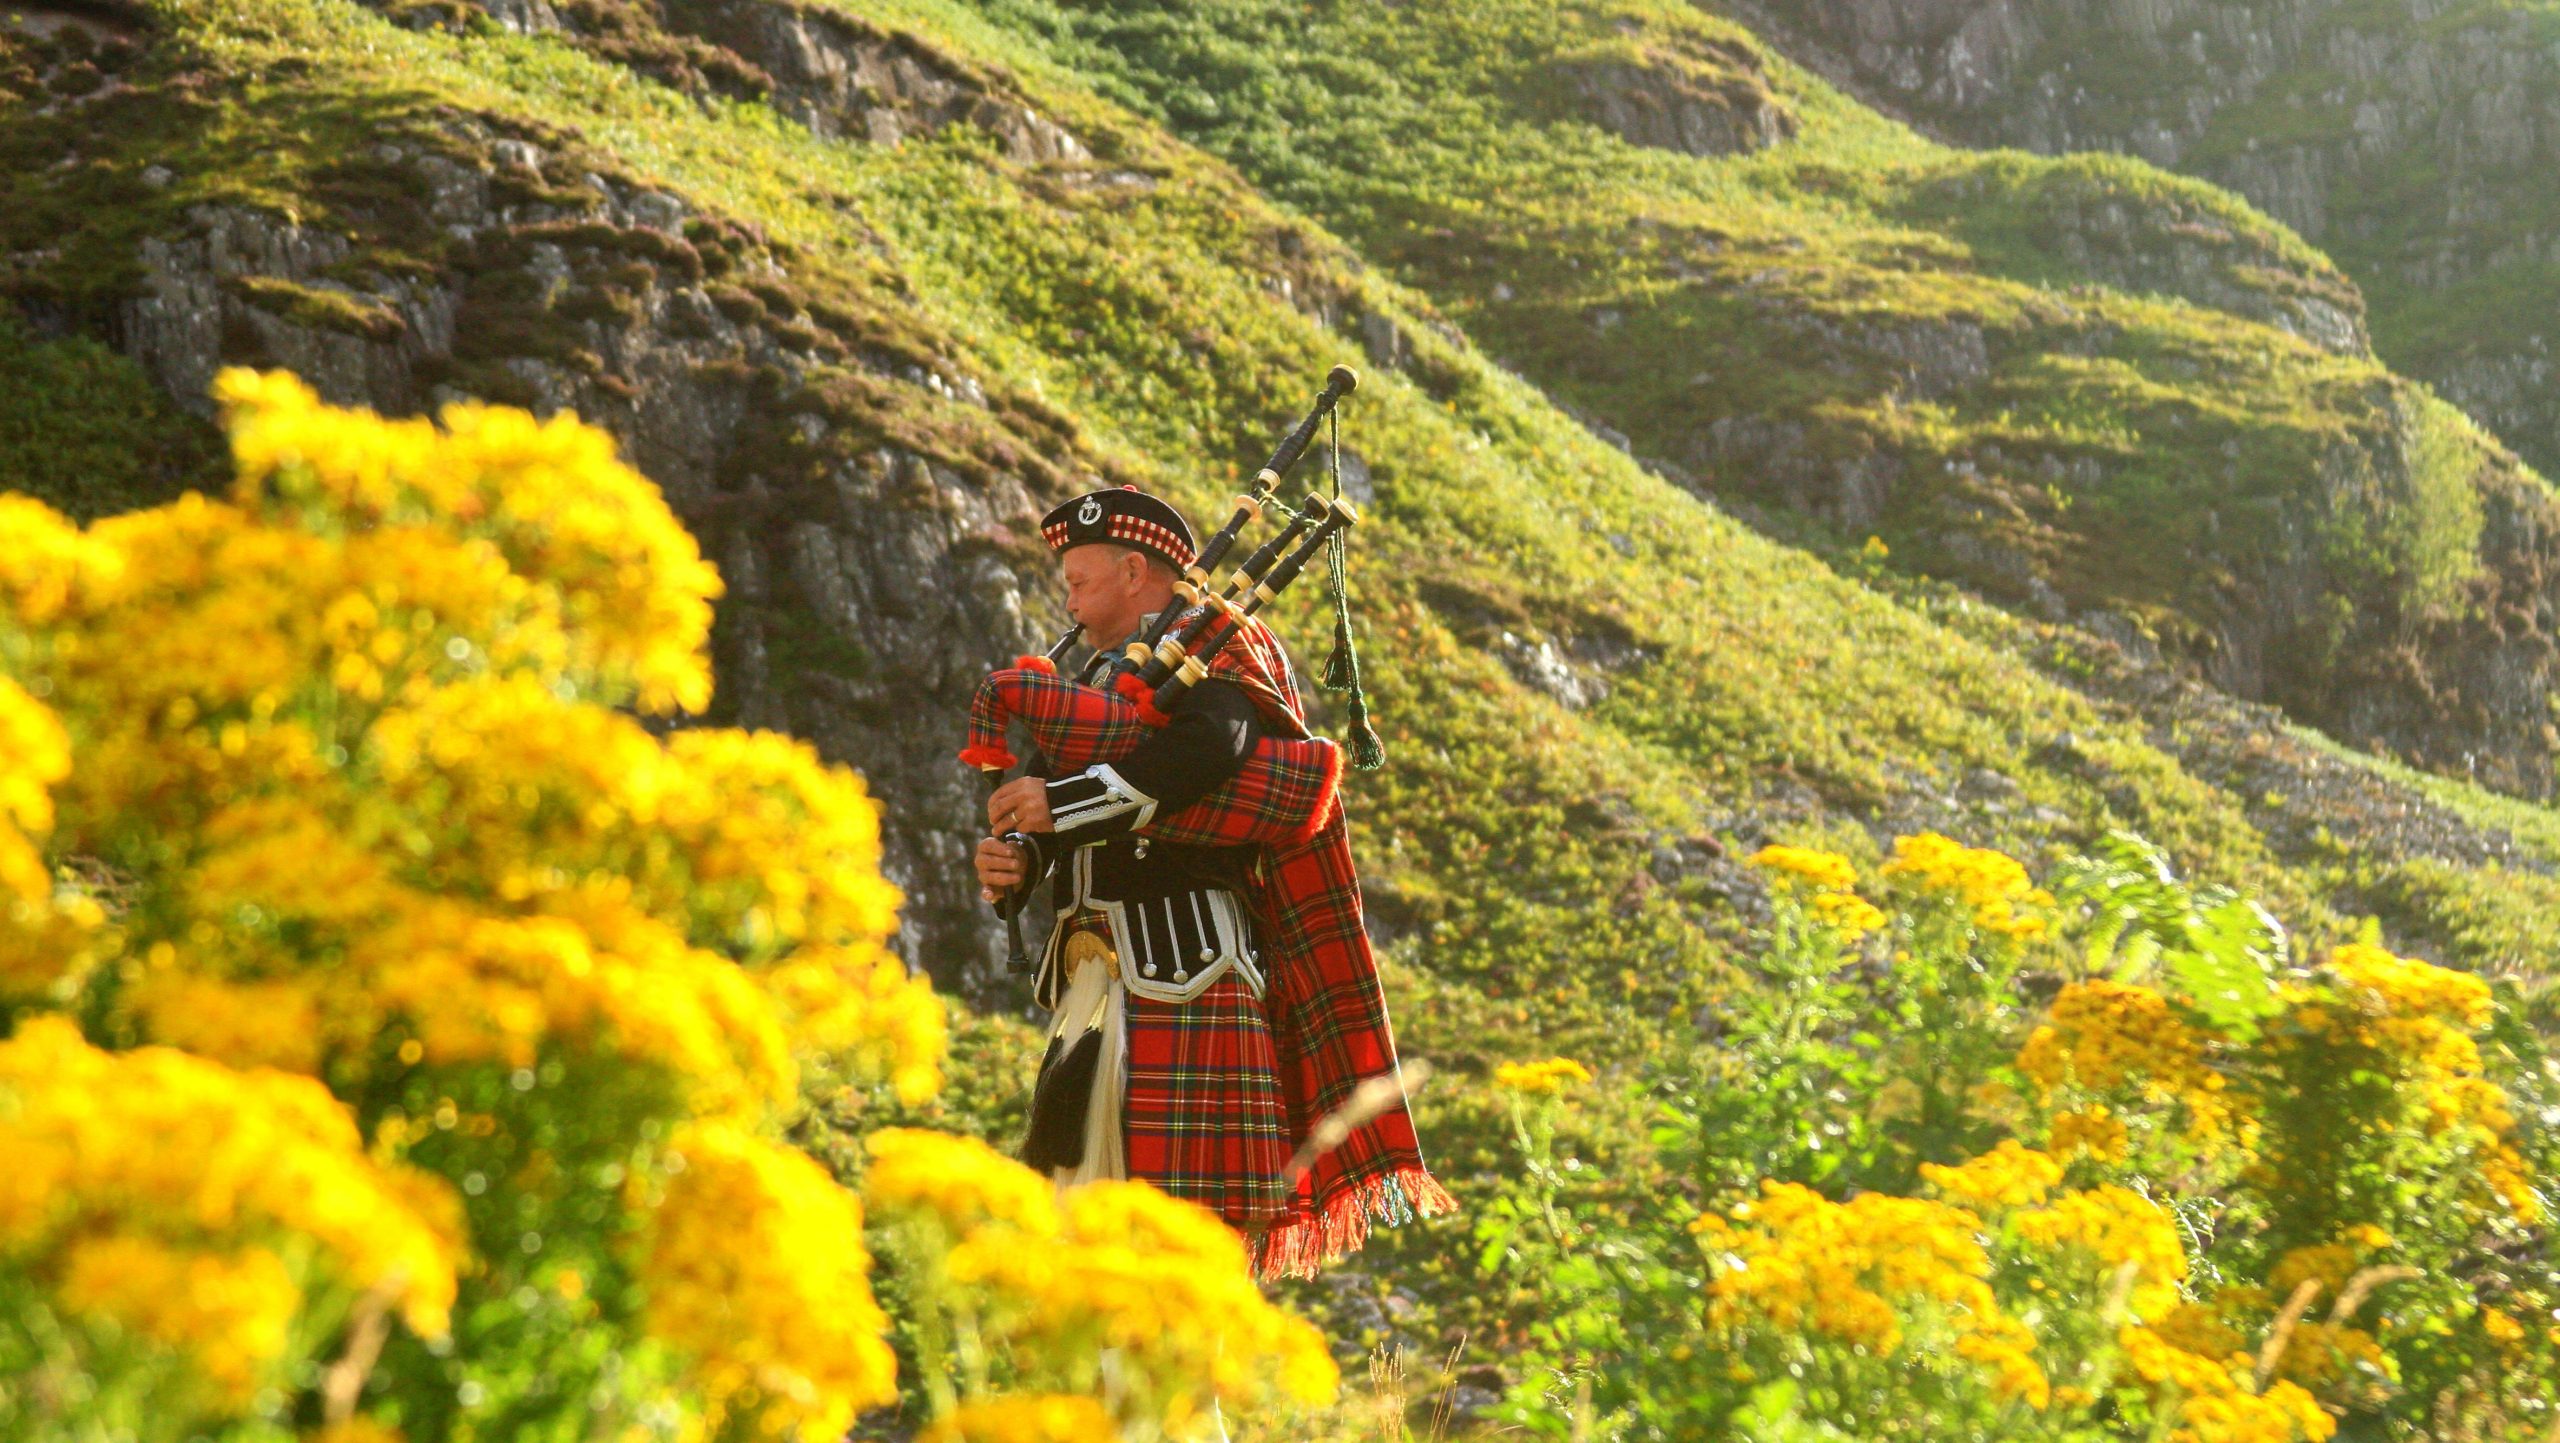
{"points": [[1140, 849], [1181, 975], [1150, 969], [1208, 956]]}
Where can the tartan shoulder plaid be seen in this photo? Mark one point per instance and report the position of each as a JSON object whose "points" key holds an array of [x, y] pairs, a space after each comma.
{"points": [[1285, 792], [1328, 1014]]}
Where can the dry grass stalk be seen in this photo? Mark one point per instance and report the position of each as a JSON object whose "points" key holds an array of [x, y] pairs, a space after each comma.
{"points": [[1365, 1103], [2282, 1335], [1445, 1406], [2361, 1286], [368, 1328], [2120, 1292], [1387, 1391]]}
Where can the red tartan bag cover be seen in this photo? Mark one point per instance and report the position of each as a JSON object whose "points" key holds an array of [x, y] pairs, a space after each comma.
{"points": [[1283, 793], [1328, 1013]]}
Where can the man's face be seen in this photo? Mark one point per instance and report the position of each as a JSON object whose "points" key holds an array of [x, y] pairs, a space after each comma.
{"points": [[1107, 591]]}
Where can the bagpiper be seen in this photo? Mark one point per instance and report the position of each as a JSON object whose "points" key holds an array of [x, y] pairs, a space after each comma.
{"points": [[1212, 996]]}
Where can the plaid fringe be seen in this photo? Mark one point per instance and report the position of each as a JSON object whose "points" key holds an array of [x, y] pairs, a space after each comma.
{"points": [[1341, 1227]]}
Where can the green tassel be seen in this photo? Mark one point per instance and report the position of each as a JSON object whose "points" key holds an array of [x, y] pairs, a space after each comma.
{"points": [[1367, 752], [1342, 667]]}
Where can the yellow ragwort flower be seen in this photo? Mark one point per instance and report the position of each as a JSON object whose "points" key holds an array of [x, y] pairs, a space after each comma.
{"points": [[1993, 885], [756, 1273], [1547, 1078], [2006, 1176], [1857, 1272], [1033, 1418], [171, 1176], [2092, 1130], [960, 1182], [1806, 866], [2102, 1034]]}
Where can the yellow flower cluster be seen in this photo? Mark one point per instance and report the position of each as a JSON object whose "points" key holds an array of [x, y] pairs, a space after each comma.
{"points": [[1992, 884], [1827, 881], [228, 1309], [959, 1183], [1796, 1262], [2332, 1355], [2329, 1264], [2092, 1130], [599, 977], [2006, 1176], [39, 754], [356, 738], [2122, 1230], [756, 1271], [1552, 1076], [1847, 913], [1032, 1418], [43, 928], [1806, 866], [160, 1191], [2212, 1403], [628, 590], [1111, 1265], [2104, 1035], [2202, 1328], [367, 687], [1164, 1282], [2406, 987], [2417, 1021], [45, 561]]}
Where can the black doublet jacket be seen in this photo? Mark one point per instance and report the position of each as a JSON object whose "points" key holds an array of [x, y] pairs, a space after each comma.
{"points": [[1175, 911]]}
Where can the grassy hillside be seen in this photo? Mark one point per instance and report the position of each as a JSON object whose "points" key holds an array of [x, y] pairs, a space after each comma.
{"points": [[2410, 142], [1587, 674], [2077, 383]]}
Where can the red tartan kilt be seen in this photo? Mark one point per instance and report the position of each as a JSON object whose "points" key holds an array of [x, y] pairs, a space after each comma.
{"points": [[1283, 793], [1206, 1118]]}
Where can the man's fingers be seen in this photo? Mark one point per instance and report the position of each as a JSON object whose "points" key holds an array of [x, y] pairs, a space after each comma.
{"points": [[1007, 803], [999, 865]]}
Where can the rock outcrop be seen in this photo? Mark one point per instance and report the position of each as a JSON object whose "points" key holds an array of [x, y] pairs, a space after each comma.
{"points": [[1691, 94]]}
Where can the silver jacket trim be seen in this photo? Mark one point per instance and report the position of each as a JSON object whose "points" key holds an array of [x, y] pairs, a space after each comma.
{"points": [[1171, 948], [1096, 795]]}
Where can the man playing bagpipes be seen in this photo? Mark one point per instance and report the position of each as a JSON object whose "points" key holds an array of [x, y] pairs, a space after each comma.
{"points": [[1211, 991]]}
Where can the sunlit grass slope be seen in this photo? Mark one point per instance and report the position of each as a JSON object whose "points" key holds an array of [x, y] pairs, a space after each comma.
{"points": [[2079, 380]]}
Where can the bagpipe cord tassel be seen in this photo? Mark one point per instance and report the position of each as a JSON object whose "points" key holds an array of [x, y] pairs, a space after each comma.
{"points": [[1342, 668]]}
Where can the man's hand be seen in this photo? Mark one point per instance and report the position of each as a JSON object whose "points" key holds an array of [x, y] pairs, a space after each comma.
{"points": [[1020, 805], [1002, 866]]}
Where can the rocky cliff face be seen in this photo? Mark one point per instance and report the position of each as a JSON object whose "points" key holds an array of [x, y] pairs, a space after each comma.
{"points": [[2416, 144], [871, 501]]}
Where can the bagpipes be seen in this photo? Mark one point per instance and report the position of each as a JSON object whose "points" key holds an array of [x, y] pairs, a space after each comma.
{"points": [[1285, 791]]}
